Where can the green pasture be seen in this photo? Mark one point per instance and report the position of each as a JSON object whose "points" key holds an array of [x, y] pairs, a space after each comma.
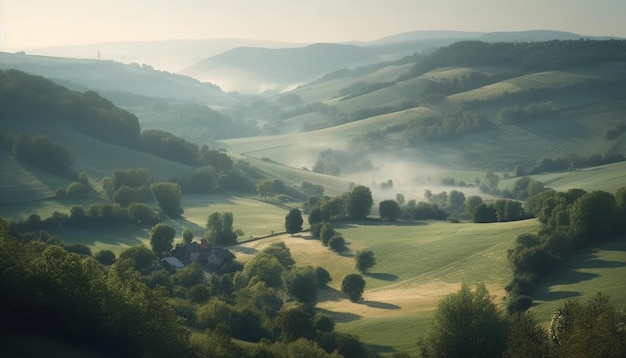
{"points": [[608, 177], [389, 335], [22, 182], [301, 149], [417, 264], [323, 90], [588, 271], [296, 176], [393, 96], [413, 253], [251, 215]]}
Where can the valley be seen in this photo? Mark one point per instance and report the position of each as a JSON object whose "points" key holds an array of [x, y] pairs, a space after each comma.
{"points": [[412, 124]]}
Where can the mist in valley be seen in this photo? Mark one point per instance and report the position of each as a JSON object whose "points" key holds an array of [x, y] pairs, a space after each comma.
{"points": [[194, 179]]}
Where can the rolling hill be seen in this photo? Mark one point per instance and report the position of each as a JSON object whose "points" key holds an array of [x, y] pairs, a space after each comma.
{"points": [[586, 94], [415, 121], [105, 75]]}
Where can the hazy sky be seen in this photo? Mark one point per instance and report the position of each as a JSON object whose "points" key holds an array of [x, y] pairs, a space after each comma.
{"points": [[27, 24]]}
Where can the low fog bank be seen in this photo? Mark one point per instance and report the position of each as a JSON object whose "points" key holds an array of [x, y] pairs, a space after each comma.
{"points": [[390, 176]]}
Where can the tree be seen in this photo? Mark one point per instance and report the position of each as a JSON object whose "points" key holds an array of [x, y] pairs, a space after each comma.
{"points": [[220, 229], [594, 215], [167, 196], [315, 216], [105, 257], [337, 243], [591, 329], [456, 201], [389, 209], [301, 284], [466, 324], [265, 188], [526, 338], [323, 276], [359, 202], [353, 286], [471, 203], [364, 260], [142, 258], [326, 233], [187, 236], [161, 239], [484, 214], [293, 221]]}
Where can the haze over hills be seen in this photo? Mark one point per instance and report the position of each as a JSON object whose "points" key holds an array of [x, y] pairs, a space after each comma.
{"points": [[171, 55], [403, 115], [103, 75], [254, 70]]}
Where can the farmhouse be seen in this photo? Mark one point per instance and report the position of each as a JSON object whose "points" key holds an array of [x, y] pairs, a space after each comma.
{"points": [[202, 252]]}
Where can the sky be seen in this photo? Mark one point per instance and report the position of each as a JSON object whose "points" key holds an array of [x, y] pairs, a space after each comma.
{"points": [[26, 24]]}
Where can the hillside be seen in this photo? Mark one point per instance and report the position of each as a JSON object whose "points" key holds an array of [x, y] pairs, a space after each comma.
{"points": [[105, 75], [417, 264], [255, 70], [449, 110]]}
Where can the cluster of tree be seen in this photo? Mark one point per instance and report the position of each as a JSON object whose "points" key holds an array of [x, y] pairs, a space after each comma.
{"points": [[126, 186], [392, 210], [220, 229], [355, 205], [36, 99], [535, 111], [328, 236], [75, 189], [95, 215], [132, 307], [277, 188], [524, 188], [468, 324], [169, 146], [448, 127], [501, 210], [193, 121], [33, 98], [570, 220], [461, 84], [40, 151], [360, 88], [573, 161], [363, 113], [523, 56]]}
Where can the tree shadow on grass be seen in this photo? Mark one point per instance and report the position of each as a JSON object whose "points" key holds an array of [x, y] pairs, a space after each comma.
{"points": [[382, 276], [379, 348], [341, 317], [205, 200], [381, 305], [330, 294], [596, 263], [555, 295], [377, 222]]}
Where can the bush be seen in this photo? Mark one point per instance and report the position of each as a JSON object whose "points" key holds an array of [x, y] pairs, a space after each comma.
{"points": [[337, 243]]}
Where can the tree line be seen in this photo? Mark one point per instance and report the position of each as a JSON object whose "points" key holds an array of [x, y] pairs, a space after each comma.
{"points": [[570, 220], [523, 56], [468, 324]]}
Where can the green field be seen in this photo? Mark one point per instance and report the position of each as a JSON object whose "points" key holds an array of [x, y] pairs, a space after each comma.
{"points": [[417, 264], [591, 270]]}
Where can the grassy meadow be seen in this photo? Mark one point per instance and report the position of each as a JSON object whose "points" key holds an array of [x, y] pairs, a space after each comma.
{"points": [[417, 264], [587, 272]]}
